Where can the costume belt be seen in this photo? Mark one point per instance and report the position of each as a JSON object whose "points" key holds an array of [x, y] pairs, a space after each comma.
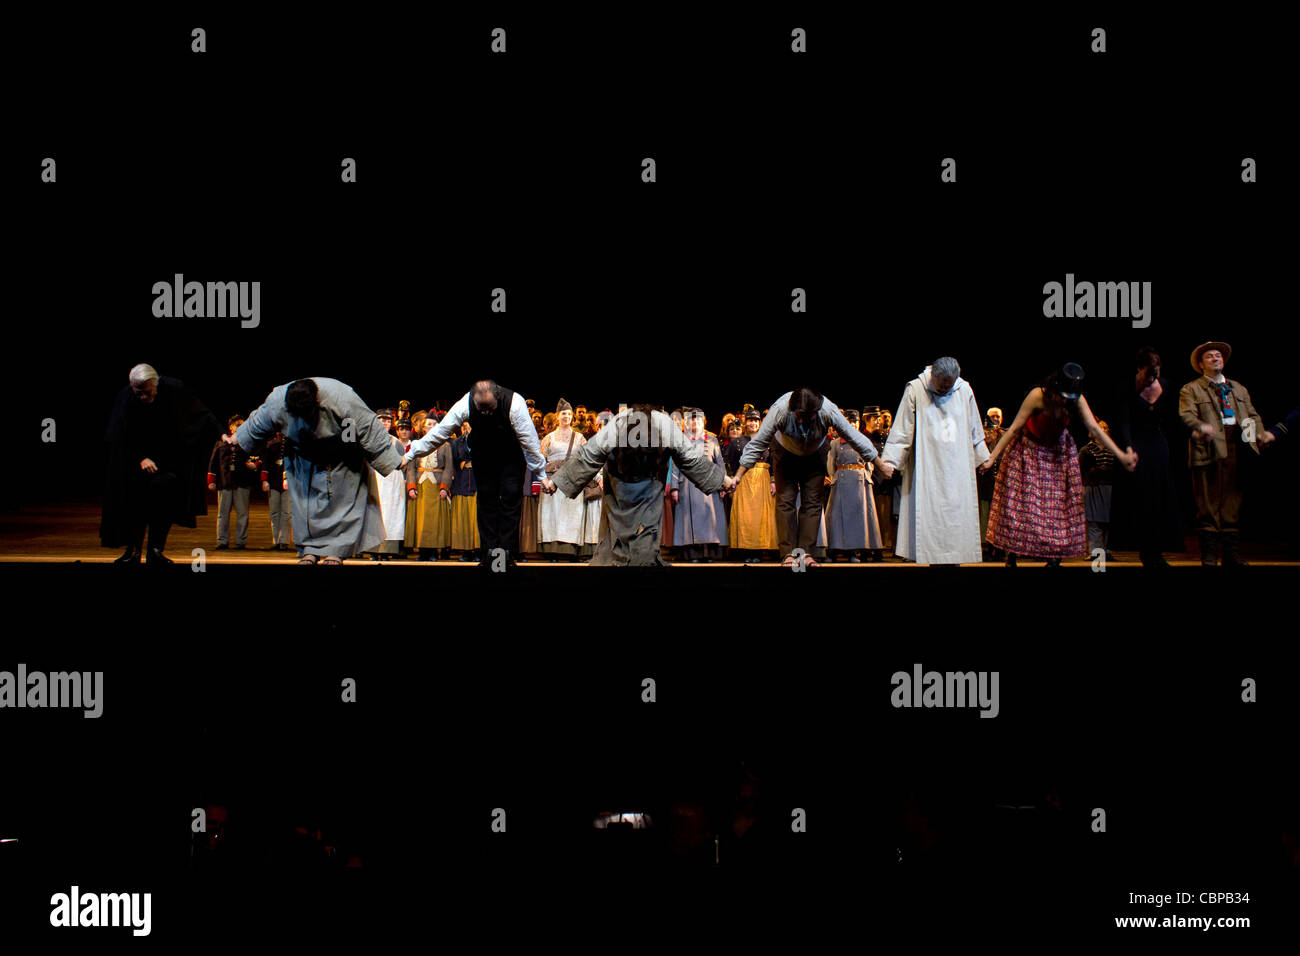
{"points": [[843, 467]]}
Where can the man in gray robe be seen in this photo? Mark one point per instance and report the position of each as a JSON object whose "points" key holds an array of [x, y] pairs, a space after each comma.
{"points": [[635, 449], [330, 435], [937, 442]]}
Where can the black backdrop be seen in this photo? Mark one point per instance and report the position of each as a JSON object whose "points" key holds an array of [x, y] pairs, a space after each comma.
{"points": [[523, 172]]}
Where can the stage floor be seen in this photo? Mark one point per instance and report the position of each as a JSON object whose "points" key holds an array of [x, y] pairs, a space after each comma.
{"points": [[69, 533]]}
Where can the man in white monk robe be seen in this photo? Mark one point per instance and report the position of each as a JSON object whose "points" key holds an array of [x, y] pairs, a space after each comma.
{"points": [[937, 442]]}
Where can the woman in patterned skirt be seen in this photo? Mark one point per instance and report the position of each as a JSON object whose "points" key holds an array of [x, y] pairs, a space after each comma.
{"points": [[1037, 508]]}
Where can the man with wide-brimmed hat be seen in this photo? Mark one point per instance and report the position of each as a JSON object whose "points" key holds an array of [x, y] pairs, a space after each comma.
{"points": [[1218, 414]]}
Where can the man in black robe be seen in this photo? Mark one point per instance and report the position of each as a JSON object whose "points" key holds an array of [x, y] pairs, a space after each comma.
{"points": [[159, 436]]}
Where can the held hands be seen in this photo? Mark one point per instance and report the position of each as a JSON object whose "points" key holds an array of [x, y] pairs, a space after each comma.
{"points": [[728, 485], [675, 496], [228, 438], [1129, 459], [548, 486], [442, 494], [212, 486], [412, 493], [1266, 438], [772, 489], [885, 468], [266, 486]]}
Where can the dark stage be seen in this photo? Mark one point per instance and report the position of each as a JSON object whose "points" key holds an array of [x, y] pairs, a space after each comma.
{"points": [[718, 756]]}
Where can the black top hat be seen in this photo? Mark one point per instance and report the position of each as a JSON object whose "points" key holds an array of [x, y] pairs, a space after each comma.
{"points": [[1069, 380]]}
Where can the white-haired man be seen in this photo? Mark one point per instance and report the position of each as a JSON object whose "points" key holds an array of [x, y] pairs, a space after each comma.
{"points": [[159, 436], [937, 442]]}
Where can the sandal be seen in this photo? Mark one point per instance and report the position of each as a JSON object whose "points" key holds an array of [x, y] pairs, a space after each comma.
{"points": [[331, 559], [307, 559]]}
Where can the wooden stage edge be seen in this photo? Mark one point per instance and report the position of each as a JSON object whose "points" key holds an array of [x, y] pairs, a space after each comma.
{"points": [[281, 558]]}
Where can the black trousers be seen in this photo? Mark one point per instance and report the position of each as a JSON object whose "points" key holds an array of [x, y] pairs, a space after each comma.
{"points": [[805, 476], [151, 501], [500, 501]]}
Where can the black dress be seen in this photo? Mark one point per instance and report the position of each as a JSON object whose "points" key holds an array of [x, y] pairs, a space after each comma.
{"points": [[1144, 507]]}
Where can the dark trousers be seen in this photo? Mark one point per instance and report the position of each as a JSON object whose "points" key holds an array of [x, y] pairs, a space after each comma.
{"points": [[500, 501], [1214, 486], [152, 502], [805, 476]]}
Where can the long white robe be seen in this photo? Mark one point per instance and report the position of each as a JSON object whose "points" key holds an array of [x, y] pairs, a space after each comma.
{"points": [[559, 518], [938, 441], [390, 490], [591, 521]]}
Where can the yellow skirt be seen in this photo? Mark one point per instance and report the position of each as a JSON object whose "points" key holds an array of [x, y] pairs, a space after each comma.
{"points": [[753, 512], [464, 522], [432, 518]]}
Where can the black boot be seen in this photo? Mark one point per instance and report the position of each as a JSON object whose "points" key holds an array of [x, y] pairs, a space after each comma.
{"points": [[1231, 559], [1011, 560], [1209, 548], [157, 541], [1153, 559], [132, 553]]}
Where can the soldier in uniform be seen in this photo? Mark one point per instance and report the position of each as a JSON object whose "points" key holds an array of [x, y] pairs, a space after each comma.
{"points": [[232, 473], [276, 485]]}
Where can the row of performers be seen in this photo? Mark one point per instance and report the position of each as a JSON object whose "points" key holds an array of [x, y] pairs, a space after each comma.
{"points": [[428, 507], [937, 443]]}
